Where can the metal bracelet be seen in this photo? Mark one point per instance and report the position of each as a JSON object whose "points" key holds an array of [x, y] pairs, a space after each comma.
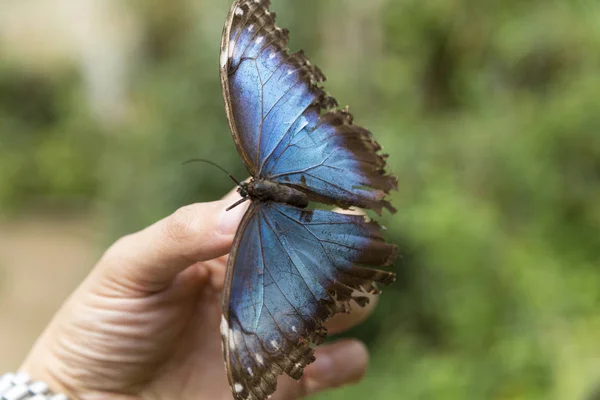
{"points": [[21, 387]]}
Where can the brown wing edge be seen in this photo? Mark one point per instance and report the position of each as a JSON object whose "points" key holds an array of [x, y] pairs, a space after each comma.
{"points": [[251, 6], [358, 140], [225, 299], [350, 285]]}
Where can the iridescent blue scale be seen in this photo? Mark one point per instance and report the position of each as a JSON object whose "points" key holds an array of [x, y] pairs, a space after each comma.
{"points": [[291, 269]]}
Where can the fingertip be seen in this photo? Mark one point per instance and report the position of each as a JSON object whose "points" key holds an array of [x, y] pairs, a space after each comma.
{"points": [[192, 232], [187, 223], [229, 220], [155, 255]]}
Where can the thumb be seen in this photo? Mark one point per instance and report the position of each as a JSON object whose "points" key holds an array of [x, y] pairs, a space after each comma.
{"points": [[149, 260]]}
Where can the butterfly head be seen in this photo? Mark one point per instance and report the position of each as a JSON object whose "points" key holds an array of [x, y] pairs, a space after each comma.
{"points": [[243, 189]]}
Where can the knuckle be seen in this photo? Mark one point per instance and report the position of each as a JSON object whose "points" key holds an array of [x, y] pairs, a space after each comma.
{"points": [[182, 225], [116, 253]]}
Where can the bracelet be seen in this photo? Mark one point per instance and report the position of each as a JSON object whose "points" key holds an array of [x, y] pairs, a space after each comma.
{"points": [[21, 387]]}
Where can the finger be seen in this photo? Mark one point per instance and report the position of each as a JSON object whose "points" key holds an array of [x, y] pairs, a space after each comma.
{"points": [[214, 269], [340, 363], [152, 258], [210, 273], [343, 322]]}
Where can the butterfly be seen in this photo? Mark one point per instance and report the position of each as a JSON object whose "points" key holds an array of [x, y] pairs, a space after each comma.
{"points": [[290, 269]]}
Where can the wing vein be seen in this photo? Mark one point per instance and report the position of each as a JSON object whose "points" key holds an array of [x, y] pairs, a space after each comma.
{"points": [[266, 159], [262, 108], [312, 234], [292, 260], [276, 283], [321, 164]]}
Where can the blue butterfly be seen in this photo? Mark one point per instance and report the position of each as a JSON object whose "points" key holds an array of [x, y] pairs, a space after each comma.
{"points": [[291, 269]]}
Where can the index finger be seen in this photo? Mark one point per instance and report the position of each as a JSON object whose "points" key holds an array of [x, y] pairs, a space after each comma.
{"points": [[151, 258]]}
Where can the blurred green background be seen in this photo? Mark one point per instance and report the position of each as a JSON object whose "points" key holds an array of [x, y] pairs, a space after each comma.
{"points": [[489, 111]]}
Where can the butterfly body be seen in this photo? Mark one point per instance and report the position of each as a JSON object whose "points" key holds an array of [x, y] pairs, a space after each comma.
{"points": [[265, 190], [290, 269]]}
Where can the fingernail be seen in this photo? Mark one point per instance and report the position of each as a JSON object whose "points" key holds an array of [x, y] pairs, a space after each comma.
{"points": [[230, 220]]}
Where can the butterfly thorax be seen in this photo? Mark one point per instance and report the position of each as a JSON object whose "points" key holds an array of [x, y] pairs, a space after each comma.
{"points": [[265, 190]]}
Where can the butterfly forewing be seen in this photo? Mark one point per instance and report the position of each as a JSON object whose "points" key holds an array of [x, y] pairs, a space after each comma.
{"points": [[283, 122], [251, 50]]}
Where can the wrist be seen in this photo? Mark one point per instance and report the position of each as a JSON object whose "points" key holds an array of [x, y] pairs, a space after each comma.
{"points": [[38, 369], [19, 386]]}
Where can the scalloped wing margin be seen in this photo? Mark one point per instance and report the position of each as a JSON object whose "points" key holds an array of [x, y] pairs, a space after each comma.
{"points": [[291, 270], [285, 126]]}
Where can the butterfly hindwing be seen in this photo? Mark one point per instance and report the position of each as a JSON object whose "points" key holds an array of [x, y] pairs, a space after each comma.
{"points": [[284, 124], [289, 271]]}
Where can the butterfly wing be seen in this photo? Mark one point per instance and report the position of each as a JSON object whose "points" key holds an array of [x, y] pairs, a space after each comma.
{"points": [[246, 60], [285, 125], [288, 272]]}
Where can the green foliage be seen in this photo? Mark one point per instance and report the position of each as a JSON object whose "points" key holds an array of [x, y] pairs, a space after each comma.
{"points": [[49, 152], [489, 111]]}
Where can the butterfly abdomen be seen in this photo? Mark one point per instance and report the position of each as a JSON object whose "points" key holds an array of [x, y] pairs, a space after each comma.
{"points": [[265, 190]]}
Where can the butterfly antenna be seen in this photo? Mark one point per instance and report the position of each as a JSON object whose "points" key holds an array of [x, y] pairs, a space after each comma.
{"points": [[200, 160], [234, 205]]}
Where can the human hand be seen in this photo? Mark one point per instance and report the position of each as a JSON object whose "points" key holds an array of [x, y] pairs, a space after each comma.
{"points": [[145, 323]]}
